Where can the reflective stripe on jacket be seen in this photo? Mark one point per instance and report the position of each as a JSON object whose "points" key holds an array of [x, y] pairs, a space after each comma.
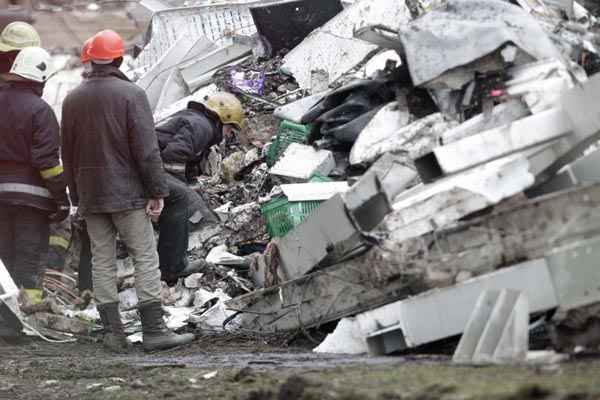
{"points": [[29, 148]]}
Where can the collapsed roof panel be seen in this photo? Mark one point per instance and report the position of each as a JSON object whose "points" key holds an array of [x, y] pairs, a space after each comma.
{"points": [[397, 270], [333, 48], [443, 38], [284, 25]]}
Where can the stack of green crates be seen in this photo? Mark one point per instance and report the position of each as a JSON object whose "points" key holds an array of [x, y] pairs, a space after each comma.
{"points": [[282, 215], [288, 133]]}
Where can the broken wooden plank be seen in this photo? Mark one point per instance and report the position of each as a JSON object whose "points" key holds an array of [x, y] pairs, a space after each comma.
{"points": [[395, 270]]}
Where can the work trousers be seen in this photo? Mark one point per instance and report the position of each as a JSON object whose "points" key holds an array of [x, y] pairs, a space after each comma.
{"points": [[24, 233], [135, 229], [174, 225]]}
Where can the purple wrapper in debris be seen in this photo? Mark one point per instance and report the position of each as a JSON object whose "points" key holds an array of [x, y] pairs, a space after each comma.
{"points": [[248, 81]]}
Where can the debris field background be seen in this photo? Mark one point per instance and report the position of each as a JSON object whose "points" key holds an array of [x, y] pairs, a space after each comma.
{"points": [[267, 352]]}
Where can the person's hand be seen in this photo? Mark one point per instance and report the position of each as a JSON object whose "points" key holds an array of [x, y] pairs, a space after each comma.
{"points": [[154, 208], [62, 213]]}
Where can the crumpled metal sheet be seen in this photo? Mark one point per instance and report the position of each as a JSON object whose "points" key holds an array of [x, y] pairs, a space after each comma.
{"points": [[296, 110], [412, 140], [333, 48], [383, 125], [216, 23], [198, 96], [154, 80], [463, 31]]}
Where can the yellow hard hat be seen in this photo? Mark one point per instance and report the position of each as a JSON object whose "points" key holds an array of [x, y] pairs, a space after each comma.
{"points": [[227, 107], [17, 36]]}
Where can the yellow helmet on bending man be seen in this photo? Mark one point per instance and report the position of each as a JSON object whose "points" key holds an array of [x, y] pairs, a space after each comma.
{"points": [[227, 107]]}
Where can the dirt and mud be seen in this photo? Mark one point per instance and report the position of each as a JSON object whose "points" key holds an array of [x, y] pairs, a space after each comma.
{"points": [[250, 368]]}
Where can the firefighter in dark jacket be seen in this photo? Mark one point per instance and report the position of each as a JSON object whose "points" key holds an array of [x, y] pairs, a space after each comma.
{"points": [[32, 188], [115, 176], [184, 141]]}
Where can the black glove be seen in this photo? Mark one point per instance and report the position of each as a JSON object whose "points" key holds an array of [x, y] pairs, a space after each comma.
{"points": [[192, 171], [62, 213], [57, 187]]}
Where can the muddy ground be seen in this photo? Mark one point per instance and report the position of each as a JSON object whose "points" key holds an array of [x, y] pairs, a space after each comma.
{"points": [[251, 368]]}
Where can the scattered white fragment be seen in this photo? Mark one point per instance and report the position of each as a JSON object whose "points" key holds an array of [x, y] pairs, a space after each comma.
{"points": [[219, 255], [313, 190], [545, 357], [210, 375], [93, 386], [178, 317], [193, 281], [135, 338], [301, 162], [347, 338]]}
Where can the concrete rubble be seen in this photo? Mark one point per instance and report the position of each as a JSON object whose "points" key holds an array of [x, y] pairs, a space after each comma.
{"points": [[498, 330], [436, 190]]}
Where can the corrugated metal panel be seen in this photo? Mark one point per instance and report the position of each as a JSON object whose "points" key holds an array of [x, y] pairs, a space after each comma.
{"points": [[217, 23], [198, 96]]}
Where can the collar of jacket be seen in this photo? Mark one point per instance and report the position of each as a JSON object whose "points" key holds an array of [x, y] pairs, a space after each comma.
{"points": [[212, 117], [105, 71], [35, 87]]}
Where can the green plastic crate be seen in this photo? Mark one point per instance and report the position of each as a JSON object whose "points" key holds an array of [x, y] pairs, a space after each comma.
{"points": [[288, 133], [282, 215], [316, 178]]}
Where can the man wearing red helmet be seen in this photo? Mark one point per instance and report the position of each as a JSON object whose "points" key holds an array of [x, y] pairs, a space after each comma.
{"points": [[115, 176], [85, 57]]}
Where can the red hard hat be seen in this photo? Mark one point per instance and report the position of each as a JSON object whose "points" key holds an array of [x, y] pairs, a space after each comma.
{"points": [[85, 57], [106, 45]]}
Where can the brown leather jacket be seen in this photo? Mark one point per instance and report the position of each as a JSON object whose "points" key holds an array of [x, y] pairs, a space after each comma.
{"points": [[109, 147]]}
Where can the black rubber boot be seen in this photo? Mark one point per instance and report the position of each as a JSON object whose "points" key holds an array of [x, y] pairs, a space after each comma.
{"points": [[114, 333], [171, 278], [156, 334], [194, 267]]}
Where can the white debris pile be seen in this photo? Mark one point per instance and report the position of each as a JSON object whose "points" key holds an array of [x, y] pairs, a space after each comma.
{"points": [[420, 185], [432, 143]]}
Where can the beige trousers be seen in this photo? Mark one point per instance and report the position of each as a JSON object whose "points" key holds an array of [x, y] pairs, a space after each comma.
{"points": [[135, 229]]}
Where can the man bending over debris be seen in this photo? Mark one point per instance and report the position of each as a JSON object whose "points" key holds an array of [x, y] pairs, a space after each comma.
{"points": [[115, 175], [184, 141], [32, 188]]}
